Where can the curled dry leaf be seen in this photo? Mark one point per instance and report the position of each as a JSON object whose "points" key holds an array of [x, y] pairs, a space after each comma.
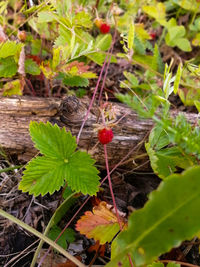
{"points": [[101, 224]]}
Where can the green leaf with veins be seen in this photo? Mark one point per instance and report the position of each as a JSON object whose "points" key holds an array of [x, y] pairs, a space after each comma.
{"points": [[171, 214], [8, 67], [46, 174]]}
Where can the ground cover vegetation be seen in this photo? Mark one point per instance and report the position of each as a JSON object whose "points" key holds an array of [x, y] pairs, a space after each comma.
{"points": [[144, 54]]}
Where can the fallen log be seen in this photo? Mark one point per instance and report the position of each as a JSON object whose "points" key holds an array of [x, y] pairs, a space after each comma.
{"points": [[16, 114]]}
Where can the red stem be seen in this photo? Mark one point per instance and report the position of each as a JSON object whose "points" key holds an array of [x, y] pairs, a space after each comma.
{"points": [[110, 185], [106, 71], [92, 100]]}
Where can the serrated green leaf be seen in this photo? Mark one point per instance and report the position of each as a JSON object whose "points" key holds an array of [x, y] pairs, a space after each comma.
{"points": [[47, 174], [165, 161], [83, 19], [52, 141], [8, 67], [171, 214], [75, 81], [31, 67], [82, 176], [131, 78], [10, 48], [43, 175], [68, 236], [103, 41], [45, 16]]}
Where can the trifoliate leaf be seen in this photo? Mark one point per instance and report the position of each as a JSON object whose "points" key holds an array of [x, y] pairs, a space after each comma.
{"points": [[48, 173], [52, 141], [32, 67], [8, 67]]}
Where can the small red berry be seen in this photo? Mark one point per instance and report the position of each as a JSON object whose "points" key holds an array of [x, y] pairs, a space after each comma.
{"points": [[152, 35], [104, 28], [105, 136]]}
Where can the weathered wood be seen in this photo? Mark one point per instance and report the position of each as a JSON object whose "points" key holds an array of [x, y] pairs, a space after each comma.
{"points": [[16, 114]]}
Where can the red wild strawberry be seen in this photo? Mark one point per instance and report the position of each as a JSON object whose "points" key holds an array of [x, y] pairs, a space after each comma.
{"points": [[152, 35], [104, 28], [105, 136]]}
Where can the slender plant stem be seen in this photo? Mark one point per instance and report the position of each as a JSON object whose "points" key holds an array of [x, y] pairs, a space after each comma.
{"points": [[92, 100], [41, 236], [110, 185], [107, 67], [50, 224]]}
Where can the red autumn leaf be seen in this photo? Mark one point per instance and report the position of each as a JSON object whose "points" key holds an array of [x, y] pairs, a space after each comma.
{"points": [[101, 224]]}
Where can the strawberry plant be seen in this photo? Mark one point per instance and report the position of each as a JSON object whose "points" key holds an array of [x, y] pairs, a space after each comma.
{"points": [[53, 48], [59, 163]]}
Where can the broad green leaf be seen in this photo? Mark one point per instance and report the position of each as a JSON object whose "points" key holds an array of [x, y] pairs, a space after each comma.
{"points": [[81, 175], [8, 67], [47, 173], [188, 4], [103, 41], [131, 34], [52, 141], [176, 32], [75, 81], [171, 214], [183, 44], [10, 48], [158, 138], [45, 16], [83, 19], [31, 67], [68, 236], [43, 175], [165, 161], [157, 12]]}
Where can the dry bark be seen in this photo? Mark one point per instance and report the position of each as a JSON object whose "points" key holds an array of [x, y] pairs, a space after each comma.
{"points": [[16, 114]]}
